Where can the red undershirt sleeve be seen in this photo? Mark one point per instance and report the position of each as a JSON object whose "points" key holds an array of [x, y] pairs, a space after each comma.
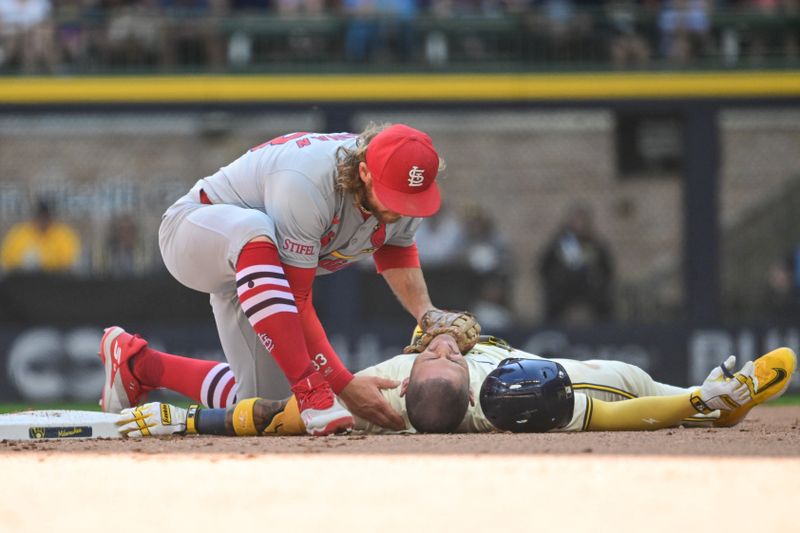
{"points": [[330, 366], [389, 256]]}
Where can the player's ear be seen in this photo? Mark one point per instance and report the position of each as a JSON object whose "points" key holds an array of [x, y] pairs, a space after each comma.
{"points": [[403, 387], [471, 397], [363, 172]]}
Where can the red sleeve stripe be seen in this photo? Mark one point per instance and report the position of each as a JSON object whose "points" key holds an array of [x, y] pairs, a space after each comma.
{"points": [[244, 288]]}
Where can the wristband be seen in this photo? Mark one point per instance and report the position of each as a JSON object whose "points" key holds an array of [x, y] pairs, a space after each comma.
{"points": [[699, 405], [191, 419], [211, 421], [243, 423]]}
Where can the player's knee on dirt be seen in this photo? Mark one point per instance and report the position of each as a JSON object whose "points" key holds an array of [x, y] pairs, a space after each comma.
{"points": [[436, 405]]}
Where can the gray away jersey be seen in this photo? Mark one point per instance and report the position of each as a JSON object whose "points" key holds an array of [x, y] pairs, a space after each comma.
{"points": [[292, 179]]}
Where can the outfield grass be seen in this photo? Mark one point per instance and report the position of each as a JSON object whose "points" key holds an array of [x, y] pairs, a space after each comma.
{"points": [[13, 407], [789, 399]]}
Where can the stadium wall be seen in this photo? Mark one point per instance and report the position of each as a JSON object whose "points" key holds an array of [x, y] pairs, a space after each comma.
{"points": [[110, 156]]}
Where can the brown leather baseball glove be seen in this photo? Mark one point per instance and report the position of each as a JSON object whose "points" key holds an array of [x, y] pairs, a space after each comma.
{"points": [[461, 325]]}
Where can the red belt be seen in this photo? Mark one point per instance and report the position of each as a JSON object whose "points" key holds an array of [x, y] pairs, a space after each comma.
{"points": [[204, 198]]}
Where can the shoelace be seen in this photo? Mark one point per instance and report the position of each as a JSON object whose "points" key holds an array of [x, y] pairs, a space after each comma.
{"points": [[316, 397]]}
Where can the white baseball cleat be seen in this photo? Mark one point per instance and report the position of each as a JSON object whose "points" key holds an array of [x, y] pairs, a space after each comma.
{"points": [[121, 389], [320, 410]]}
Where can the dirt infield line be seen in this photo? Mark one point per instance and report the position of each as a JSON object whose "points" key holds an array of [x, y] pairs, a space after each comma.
{"points": [[197, 493]]}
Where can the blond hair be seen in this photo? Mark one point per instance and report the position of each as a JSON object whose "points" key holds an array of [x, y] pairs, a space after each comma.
{"points": [[347, 177]]}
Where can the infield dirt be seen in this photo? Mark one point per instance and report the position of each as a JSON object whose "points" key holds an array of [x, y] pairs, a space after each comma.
{"points": [[736, 479]]}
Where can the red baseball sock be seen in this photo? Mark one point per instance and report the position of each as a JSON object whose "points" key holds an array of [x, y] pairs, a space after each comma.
{"points": [[268, 302], [209, 382]]}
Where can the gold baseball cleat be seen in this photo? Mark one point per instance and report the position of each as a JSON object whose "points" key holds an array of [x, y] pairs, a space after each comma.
{"points": [[772, 375]]}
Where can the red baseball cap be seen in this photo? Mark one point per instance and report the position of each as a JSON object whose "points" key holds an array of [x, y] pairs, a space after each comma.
{"points": [[403, 164]]}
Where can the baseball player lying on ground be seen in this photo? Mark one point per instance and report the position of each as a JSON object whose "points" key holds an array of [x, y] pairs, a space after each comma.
{"points": [[517, 391]]}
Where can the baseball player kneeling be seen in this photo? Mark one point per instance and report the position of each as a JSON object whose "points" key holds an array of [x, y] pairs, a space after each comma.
{"points": [[255, 235]]}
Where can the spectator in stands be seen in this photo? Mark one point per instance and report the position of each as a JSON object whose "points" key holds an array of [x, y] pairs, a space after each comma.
{"points": [[192, 33], [41, 244], [26, 35], [564, 26], [627, 45], [440, 240], [791, 42], [491, 307], [374, 25], [123, 254], [312, 8], [770, 26], [303, 43], [685, 27], [133, 32], [71, 35], [251, 7], [240, 42], [438, 43], [782, 294], [485, 249], [576, 271]]}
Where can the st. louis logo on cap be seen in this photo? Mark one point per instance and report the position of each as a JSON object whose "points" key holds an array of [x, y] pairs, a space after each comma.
{"points": [[415, 177]]}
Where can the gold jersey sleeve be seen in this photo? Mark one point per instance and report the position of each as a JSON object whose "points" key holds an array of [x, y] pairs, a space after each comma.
{"points": [[639, 414]]}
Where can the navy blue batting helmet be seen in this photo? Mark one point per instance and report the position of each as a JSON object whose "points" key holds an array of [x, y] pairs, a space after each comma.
{"points": [[527, 395]]}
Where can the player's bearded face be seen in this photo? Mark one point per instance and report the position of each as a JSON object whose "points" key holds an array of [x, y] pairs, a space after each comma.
{"points": [[378, 210]]}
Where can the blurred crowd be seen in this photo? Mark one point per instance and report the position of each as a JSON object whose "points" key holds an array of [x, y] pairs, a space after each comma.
{"points": [[45, 244], [574, 270], [91, 35], [782, 287], [573, 273]]}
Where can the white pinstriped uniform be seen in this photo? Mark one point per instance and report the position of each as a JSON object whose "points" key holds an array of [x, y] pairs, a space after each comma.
{"points": [[285, 190], [599, 379]]}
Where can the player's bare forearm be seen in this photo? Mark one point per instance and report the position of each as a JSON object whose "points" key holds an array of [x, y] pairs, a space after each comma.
{"points": [[408, 284]]}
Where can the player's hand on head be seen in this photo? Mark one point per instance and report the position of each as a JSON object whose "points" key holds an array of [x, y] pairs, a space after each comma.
{"points": [[152, 419], [723, 389], [362, 397], [462, 326]]}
